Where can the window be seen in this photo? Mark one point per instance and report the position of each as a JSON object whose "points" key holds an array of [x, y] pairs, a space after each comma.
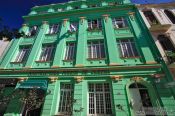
{"points": [[73, 26], [96, 50], [99, 99], [66, 99], [23, 54], [70, 49], [95, 24], [119, 22], [167, 46], [170, 15], [32, 31], [127, 48], [150, 17], [53, 29], [47, 53]]}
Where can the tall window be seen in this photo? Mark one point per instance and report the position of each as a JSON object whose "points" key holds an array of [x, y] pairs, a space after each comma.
{"points": [[23, 54], [96, 50], [150, 17], [170, 15], [99, 99], [95, 24], [70, 49], [119, 22], [73, 26], [127, 48], [53, 29], [66, 99], [47, 53], [32, 31]]}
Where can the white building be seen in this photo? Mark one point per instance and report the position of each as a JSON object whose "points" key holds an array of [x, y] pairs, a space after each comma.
{"points": [[160, 19]]}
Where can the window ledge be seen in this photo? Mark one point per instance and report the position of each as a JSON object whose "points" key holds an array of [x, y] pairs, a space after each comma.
{"points": [[136, 57], [16, 62], [51, 34], [40, 61], [68, 60], [124, 28], [96, 58]]}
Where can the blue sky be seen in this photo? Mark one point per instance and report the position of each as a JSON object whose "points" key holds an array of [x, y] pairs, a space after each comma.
{"points": [[11, 11]]}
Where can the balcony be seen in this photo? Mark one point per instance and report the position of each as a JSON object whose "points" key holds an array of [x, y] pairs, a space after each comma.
{"points": [[159, 27]]}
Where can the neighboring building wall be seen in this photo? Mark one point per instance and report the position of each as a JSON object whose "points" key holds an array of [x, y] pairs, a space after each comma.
{"points": [[165, 27]]}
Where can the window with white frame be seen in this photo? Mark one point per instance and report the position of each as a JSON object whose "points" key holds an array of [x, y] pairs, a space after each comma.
{"points": [[66, 99], [53, 29], [32, 31], [70, 49], [150, 17], [127, 48], [95, 24], [120, 22], [99, 96], [47, 53], [96, 50], [73, 26], [23, 54]]}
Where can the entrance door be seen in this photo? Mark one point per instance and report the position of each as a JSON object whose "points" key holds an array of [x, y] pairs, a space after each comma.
{"points": [[140, 100]]}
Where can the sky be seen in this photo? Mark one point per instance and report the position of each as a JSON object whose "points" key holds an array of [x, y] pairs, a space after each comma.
{"points": [[11, 11]]}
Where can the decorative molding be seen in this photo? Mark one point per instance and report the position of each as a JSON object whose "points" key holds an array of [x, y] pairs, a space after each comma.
{"points": [[27, 67], [21, 79], [131, 14], [53, 79], [78, 79], [79, 65], [114, 64], [137, 79], [55, 66], [151, 62], [116, 77], [158, 75]]}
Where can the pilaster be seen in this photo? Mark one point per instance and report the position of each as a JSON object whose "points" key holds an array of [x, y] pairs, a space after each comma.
{"points": [[110, 41], [37, 45]]}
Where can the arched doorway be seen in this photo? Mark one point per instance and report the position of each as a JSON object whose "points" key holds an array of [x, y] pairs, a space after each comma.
{"points": [[140, 100], [170, 15]]}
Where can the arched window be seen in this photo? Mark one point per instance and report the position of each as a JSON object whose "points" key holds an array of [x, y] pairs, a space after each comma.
{"points": [[140, 99], [170, 15]]}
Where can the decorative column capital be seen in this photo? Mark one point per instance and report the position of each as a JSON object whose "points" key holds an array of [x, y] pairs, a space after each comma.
{"points": [[82, 19], [106, 16], [131, 14], [116, 77], [65, 21], [24, 25], [79, 79], [45, 22], [53, 79], [21, 79]]}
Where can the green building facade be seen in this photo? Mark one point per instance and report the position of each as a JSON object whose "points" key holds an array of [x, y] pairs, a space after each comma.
{"points": [[85, 58]]}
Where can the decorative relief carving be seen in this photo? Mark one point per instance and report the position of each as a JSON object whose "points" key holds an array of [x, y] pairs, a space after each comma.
{"points": [[53, 79], [105, 16], [78, 79], [21, 79], [137, 79], [116, 77], [82, 19], [131, 14], [65, 21]]}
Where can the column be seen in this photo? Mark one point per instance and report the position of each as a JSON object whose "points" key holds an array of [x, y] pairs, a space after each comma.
{"points": [[142, 39], [37, 45], [81, 43], [110, 41], [60, 45]]}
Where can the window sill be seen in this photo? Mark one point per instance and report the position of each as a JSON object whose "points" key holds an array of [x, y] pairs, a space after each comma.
{"points": [[68, 60], [39, 61], [51, 34], [96, 58], [136, 57], [16, 62], [123, 28]]}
